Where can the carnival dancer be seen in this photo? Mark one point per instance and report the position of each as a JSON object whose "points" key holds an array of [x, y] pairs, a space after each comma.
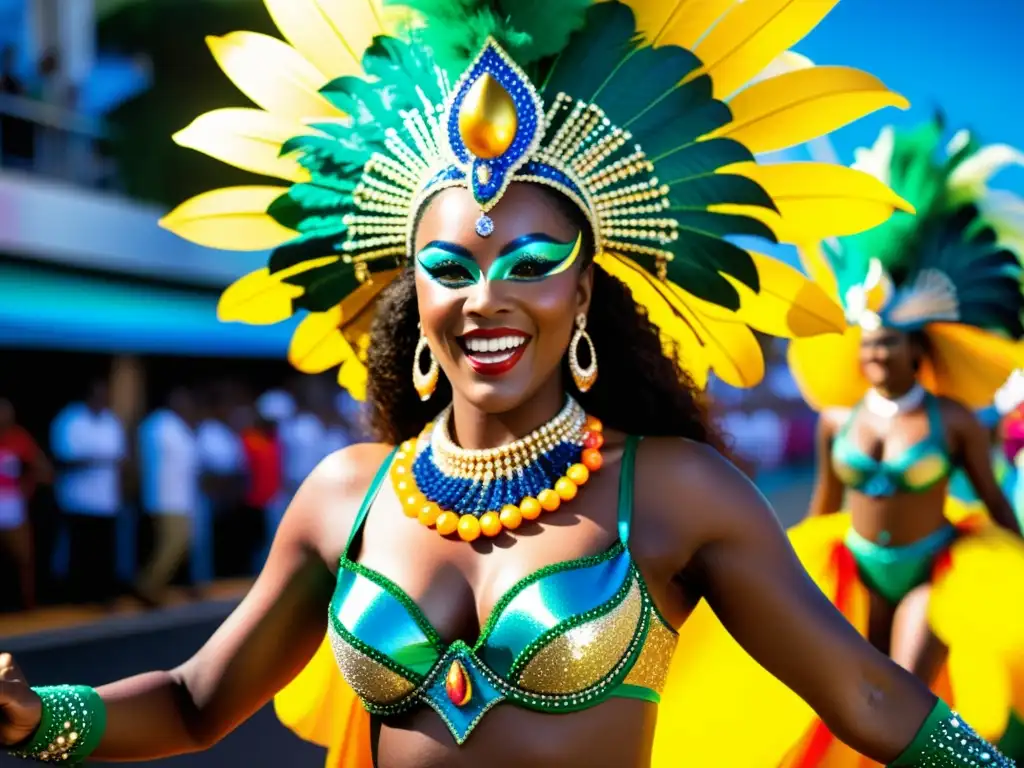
{"points": [[934, 307], [510, 234]]}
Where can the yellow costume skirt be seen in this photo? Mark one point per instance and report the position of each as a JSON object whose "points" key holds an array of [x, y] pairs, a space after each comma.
{"points": [[720, 707]]}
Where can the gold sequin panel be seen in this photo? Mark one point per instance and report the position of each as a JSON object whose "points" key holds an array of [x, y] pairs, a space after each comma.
{"points": [[371, 680], [651, 669], [585, 655], [926, 471]]}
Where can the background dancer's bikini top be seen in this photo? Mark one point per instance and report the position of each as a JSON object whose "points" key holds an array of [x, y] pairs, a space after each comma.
{"points": [[919, 468], [564, 638]]}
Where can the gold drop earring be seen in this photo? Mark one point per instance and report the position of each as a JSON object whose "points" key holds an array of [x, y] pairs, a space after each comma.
{"points": [[424, 381], [584, 377]]}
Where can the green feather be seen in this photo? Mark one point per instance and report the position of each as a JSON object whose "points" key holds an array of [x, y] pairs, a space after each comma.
{"points": [[682, 116], [714, 255], [591, 57], [699, 158], [549, 24], [320, 154], [704, 283], [455, 31], [722, 224], [643, 80], [299, 250], [717, 189], [325, 286]]}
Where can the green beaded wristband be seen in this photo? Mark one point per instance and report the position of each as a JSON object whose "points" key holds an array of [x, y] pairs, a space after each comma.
{"points": [[73, 721], [946, 741]]}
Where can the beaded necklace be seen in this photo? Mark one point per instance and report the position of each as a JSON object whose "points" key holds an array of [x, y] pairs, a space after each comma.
{"points": [[474, 492]]}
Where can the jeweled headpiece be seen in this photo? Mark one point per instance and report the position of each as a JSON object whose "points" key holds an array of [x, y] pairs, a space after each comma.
{"points": [[952, 271], [623, 113]]}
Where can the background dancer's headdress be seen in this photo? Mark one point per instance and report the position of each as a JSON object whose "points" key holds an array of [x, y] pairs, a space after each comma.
{"points": [[952, 271], [372, 109]]}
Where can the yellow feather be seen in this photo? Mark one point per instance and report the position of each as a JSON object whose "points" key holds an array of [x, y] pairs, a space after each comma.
{"points": [[308, 25], [813, 260], [827, 371], [352, 375], [354, 307], [752, 34], [681, 23], [231, 218], [795, 107], [817, 200], [257, 299], [734, 353], [969, 363], [645, 291], [272, 74], [317, 343], [788, 304], [262, 298], [707, 338], [249, 139]]}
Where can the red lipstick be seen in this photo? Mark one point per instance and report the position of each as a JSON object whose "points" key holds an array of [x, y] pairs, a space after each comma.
{"points": [[486, 359]]}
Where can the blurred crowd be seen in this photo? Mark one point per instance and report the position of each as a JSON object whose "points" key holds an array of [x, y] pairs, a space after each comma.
{"points": [[89, 512], [95, 510]]}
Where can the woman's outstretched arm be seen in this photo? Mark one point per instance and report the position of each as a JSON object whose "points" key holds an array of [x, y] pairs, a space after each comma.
{"points": [[747, 571], [263, 644]]}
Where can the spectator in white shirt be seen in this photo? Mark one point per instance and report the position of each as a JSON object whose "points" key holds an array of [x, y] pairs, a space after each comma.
{"points": [[303, 436], [223, 471], [89, 446], [169, 474]]}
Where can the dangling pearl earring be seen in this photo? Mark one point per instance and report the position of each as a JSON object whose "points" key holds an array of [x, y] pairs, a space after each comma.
{"points": [[425, 382], [584, 377]]}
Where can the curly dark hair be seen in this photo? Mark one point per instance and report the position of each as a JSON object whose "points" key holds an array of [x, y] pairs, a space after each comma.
{"points": [[640, 389]]}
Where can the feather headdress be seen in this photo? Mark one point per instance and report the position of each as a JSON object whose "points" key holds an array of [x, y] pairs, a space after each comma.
{"points": [[952, 271], [624, 108]]}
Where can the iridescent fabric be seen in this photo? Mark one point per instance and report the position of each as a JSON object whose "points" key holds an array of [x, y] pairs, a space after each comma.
{"points": [[564, 638], [919, 468]]}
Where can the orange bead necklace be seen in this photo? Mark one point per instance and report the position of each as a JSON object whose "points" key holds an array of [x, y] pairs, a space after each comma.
{"points": [[451, 489]]}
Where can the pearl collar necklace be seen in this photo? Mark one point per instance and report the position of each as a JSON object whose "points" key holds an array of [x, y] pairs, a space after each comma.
{"points": [[888, 408]]}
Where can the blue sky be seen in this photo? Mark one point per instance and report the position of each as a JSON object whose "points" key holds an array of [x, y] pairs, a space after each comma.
{"points": [[938, 53]]}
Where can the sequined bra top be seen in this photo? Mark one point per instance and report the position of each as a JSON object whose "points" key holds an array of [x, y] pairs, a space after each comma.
{"points": [[918, 469], [564, 638]]}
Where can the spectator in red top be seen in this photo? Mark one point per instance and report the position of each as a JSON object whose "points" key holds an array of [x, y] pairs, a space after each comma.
{"points": [[263, 460], [22, 466]]}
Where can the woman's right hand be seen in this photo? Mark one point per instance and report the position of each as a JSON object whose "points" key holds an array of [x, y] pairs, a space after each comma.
{"points": [[21, 709]]}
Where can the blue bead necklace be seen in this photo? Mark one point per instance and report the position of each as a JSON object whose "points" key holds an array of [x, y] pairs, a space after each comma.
{"points": [[474, 482]]}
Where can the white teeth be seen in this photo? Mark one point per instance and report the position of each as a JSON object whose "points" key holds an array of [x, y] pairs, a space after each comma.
{"points": [[499, 344]]}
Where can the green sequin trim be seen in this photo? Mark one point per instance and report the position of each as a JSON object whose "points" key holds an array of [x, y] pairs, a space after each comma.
{"points": [[612, 684], [572, 702], [580, 562], [627, 691], [399, 594], [372, 653], [531, 650], [946, 741], [72, 724]]}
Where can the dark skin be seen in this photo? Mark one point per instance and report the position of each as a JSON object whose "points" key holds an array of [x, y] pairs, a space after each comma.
{"points": [[890, 360], [722, 544]]}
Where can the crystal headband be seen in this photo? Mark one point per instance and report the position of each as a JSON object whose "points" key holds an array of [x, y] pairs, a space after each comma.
{"points": [[492, 130]]}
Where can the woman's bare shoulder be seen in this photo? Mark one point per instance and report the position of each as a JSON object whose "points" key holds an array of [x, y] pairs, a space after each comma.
{"points": [[327, 502], [696, 491]]}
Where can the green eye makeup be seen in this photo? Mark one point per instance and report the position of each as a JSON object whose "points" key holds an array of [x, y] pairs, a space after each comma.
{"points": [[450, 265], [534, 257], [526, 259]]}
